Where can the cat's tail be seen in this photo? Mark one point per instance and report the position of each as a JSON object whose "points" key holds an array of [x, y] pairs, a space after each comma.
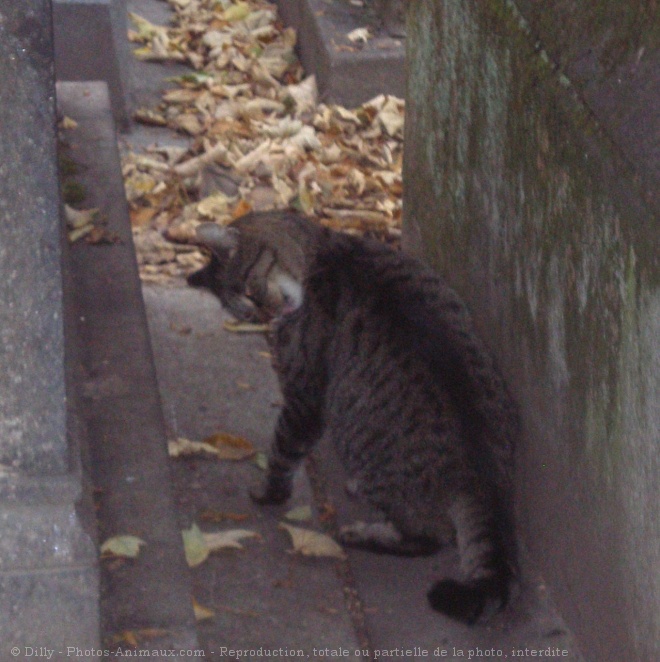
{"points": [[469, 602], [486, 548]]}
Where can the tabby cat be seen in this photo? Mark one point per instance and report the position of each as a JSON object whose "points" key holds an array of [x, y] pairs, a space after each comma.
{"points": [[376, 353]]}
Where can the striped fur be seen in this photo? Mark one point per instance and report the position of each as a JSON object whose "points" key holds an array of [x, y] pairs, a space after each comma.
{"points": [[381, 358], [255, 261]]}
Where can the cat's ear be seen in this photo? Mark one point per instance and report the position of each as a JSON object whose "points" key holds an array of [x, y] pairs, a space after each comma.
{"points": [[223, 241]]}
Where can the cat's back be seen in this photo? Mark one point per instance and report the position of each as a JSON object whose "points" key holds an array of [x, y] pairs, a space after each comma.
{"points": [[408, 331]]}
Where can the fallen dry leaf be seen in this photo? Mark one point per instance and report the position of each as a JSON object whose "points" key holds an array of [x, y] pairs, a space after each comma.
{"points": [[250, 112], [230, 447], [202, 613], [244, 327], [359, 35], [220, 540], [79, 218], [67, 123], [79, 233], [99, 235], [312, 543], [194, 546], [222, 445], [181, 447], [261, 461], [127, 637], [198, 545], [237, 12], [124, 546], [133, 638]]}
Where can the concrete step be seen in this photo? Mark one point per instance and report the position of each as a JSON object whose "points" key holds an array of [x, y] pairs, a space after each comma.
{"points": [[119, 395], [347, 73]]}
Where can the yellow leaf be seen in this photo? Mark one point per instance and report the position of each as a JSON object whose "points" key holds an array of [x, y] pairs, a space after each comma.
{"points": [[237, 12], [359, 35], [230, 447], [133, 637], [68, 123], [219, 540], [143, 53], [80, 232], [142, 215], [194, 546], [305, 199], [312, 543], [76, 218], [261, 461], [214, 205], [182, 446], [244, 327], [202, 613], [180, 95], [189, 123], [149, 117], [145, 29], [127, 637], [242, 207], [122, 546]]}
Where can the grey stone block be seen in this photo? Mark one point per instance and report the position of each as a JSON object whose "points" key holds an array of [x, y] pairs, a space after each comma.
{"points": [[46, 610], [346, 72], [91, 43], [48, 578], [47, 536], [32, 397]]}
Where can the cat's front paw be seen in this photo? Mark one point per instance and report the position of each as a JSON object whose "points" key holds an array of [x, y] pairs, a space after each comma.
{"points": [[271, 493]]}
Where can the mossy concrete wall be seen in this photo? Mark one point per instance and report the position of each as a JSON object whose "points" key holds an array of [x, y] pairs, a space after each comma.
{"points": [[531, 171]]}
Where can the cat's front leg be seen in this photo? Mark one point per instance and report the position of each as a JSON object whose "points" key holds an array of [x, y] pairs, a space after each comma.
{"points": [[276, 489], [297, 430]]}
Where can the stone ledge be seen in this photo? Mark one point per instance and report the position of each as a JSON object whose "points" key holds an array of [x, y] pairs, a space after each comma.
{"points": [[120, 402]]}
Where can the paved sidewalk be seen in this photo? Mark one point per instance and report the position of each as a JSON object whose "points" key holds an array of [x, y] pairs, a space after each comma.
{"points": [[212, 380]]}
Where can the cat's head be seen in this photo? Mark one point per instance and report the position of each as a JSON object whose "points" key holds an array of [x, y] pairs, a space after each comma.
{"points": [[232, 275]]}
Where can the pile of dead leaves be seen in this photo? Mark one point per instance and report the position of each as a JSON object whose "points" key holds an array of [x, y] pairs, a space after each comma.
{"points": [[260, 139]]}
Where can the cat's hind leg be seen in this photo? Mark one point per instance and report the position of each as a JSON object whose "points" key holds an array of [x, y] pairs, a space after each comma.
{"points": [[385, 538]]}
